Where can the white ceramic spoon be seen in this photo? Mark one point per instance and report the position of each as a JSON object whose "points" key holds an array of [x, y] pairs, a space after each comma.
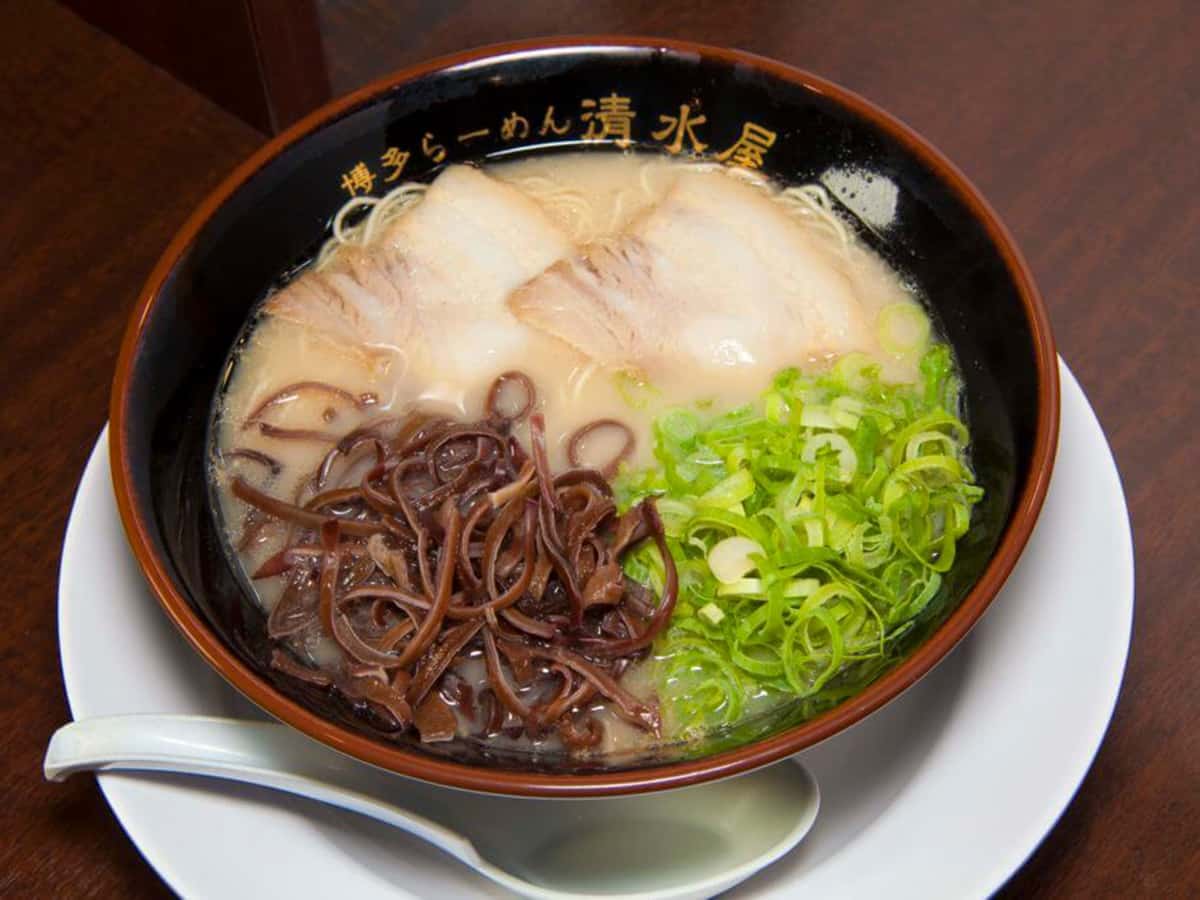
{"points": [[688, 843]]}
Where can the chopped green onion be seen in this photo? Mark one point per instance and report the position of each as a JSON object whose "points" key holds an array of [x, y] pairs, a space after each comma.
{"points": [[855, 371], [816, 416], [729, 492], [847, 458], [801, 587], [811, 532], [742, 586], [732, 558]]}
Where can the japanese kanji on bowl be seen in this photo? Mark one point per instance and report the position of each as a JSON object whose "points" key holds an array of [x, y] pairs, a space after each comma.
{"points": [[503, 103]]}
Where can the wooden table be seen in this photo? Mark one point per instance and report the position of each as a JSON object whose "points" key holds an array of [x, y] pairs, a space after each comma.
{"points": [[1079, 120]]}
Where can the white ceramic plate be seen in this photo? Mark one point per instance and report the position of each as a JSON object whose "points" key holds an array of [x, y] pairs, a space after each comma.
{"points": [[943, 793]]}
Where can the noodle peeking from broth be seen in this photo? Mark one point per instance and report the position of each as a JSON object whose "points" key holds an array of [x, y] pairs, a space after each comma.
{"points": [[379, 211], [573, 208]]}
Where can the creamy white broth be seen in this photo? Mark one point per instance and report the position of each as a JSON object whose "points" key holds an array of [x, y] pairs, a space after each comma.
{"points": [[591, 198]]}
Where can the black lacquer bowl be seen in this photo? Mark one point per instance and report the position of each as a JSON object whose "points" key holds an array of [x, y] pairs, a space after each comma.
{"points": [[603, 95]]}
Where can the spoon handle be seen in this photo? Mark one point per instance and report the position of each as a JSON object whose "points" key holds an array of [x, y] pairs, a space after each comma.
{"points": [[264, 754]]}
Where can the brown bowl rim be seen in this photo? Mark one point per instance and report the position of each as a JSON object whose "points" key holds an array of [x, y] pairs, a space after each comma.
{"points": [[659, 777]]}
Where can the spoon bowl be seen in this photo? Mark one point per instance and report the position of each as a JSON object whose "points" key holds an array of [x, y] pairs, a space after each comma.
{"points": [[688, 843]]}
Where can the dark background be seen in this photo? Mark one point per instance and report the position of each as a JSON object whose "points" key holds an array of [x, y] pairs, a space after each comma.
{"points": [[1079, 120]]}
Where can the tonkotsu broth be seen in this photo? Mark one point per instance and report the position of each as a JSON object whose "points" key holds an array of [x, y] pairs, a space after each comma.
{"points": [[590, 197]]}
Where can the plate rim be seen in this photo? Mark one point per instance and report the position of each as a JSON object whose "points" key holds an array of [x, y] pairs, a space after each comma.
{"points": [[1006, 864]]}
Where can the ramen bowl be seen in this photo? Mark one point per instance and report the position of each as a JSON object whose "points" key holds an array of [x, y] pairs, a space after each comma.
{"points": [[904, 199]]}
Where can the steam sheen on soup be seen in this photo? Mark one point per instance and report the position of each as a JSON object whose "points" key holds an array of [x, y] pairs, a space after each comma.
{"points": [[590, 454]]}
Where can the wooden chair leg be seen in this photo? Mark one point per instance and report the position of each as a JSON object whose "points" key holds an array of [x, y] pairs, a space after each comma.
{"points": [[260, 59]]}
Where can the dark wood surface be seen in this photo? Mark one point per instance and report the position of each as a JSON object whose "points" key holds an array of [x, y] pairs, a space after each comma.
{"points": [[259, 59], [1079, 120]]}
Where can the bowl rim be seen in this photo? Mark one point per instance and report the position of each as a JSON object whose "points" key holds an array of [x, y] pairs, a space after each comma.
{"points": [[411, 763]]}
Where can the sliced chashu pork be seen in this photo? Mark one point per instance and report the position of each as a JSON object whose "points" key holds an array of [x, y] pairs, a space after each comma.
{"points": [[717, 275], [431, 289]]}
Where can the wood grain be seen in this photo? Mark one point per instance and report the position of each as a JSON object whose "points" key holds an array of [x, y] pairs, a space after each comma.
{"points": [[102, 157], [1079, 119]]}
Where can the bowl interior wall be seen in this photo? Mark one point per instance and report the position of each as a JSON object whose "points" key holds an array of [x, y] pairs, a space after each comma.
{"points": [[279, 216]]}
